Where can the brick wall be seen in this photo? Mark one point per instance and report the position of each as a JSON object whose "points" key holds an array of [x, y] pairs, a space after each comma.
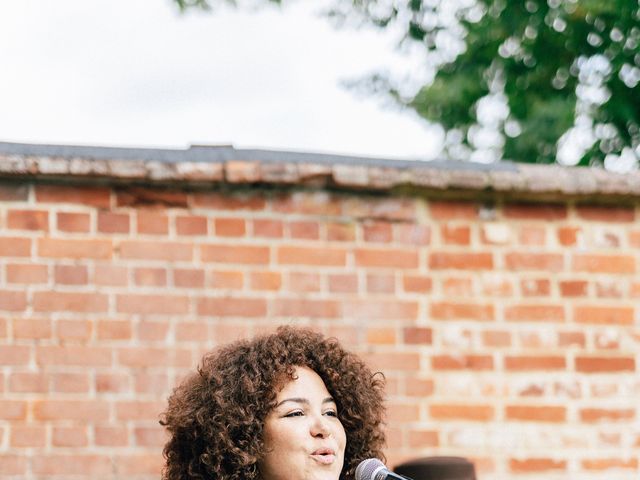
{"points": [[508, 332]]}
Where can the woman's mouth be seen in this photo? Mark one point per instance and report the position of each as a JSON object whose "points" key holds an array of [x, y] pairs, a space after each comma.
{"points": [[325, 456]]}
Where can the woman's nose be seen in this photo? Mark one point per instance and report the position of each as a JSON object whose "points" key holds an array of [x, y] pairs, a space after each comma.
{"points": [[320, 427]]}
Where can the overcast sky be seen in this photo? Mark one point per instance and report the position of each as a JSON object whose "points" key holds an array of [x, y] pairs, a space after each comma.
{"points": [[137, 73]]}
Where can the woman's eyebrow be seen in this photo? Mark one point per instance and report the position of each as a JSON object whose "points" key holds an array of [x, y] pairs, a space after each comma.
{"points": [[304, 401]]}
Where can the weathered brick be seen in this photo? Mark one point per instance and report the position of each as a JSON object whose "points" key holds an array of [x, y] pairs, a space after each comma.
{"points": [[461, 261], [448, 412], [37, 220], [603, 315], [311, 256], [99, 197], [75, 249], [232, 307], [109, 222], [242, 254], [535, 413], [73, 222], [168, 251], [229, 227]]}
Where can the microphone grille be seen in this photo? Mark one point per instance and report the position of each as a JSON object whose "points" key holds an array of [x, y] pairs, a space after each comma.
{"points": [[367, 469]]}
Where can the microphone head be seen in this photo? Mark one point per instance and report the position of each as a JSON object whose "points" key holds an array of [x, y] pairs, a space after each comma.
{"points": [[371, 469]]}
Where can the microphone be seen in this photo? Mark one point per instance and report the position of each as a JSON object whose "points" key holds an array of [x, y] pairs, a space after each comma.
{"points": [[374, 469]]}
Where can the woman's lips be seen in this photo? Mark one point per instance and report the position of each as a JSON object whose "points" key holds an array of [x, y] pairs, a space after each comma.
{"points": [[325, 456]]}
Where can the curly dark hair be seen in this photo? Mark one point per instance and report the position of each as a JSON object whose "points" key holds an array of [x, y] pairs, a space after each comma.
{"points": [[215, 418]]}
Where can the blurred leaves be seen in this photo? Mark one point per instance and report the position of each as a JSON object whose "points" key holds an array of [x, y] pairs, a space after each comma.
{"points": [[560, 64]]}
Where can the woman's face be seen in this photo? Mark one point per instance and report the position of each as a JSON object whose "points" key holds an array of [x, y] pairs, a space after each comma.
{"points": [[304, 439]]}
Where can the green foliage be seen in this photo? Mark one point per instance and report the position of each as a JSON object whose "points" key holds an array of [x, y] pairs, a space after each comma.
{"points": [[554, 61]]}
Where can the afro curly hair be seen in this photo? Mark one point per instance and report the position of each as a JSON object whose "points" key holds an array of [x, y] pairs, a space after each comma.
{"points": [[215, 417]]}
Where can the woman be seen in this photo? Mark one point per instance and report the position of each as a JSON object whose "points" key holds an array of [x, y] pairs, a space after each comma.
{"points": [[292, 405]]}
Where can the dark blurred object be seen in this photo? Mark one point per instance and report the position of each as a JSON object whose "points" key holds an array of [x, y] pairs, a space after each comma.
{"points": [[437, 468]]}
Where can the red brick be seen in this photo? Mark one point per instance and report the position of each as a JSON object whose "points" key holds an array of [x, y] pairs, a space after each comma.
{"points": [[457, 287], [29, 274], [13, 410], [188, 278], [423, 439], [532, 211], [412, 234], [601, 315], [377, 232], [152, 331], [27, 436], [70, 275], [303, 282], [267, 228], [152, 223], [79, 330], [150, 304], [139, 410], [529, 465], [462, 362], [143, 357], [381, 283], [385, 362], [417, 335], [343, 283], [525, 363], [303, 230], [151, 197], [472, 311], [14, 192], [28, 383], [229, 227], [534, 261], [71, 383], [13, 301], [79, 410], [243, 254], [605, 364], [232, 307], [602, 464], [169, 251], [477, 413], [14, 354], [111, 436], [590, 415], [283, 307], [57, 464], [69, 437], [567, 339], [537, 287], [618, 214], [380, 309], [150, 277], [530, 235], [265, 280], [461, 261], [417, 284], [229, 201], [455, 234], [73, 222], [573, 288], [108, 275], [225, 279], [418, 387], [70, 302], [76, 249], [381, 336], [568, 236], [312, 256], [341, 232], [13, 465], [113, 330], [533, 413], [618, 264], [307, 202], [37, 220], [150, 436], [386, 258], [15, 247], [109, 222], [453, 210], [139, 464], [85, 356], [537, 313], [32, 328], [112, 383], [494, 338], [191, 331], [93, 196], [191, 225]]}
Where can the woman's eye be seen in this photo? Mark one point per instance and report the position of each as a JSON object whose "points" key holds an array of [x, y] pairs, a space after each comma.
{"points": [[297, 413], [331, 413]]}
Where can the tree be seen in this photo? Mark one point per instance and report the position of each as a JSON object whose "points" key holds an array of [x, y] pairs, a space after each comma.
{"points": [[528, 80]]}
